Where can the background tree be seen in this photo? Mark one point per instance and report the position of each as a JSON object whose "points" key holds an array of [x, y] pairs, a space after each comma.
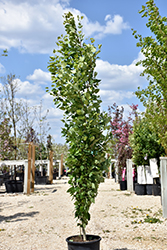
{"points": [[59, 149], [12, 109], [75, 90], [154, 49], [144, 142], [6, 142], [25, 120], [49, 145], [5, 53], [43, 127], [121, 129]]}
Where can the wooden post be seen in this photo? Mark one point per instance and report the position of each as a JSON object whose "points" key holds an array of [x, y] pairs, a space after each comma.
{"points": [[61, 164], [29, 168], [51, 167], [33, 168]]}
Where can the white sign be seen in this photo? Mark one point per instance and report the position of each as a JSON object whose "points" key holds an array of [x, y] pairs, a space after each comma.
{"points": [[154, 168], [149, 177], [141, 177]]}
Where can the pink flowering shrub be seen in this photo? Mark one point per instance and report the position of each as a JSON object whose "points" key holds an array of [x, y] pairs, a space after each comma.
{"points": [[121, 129]]}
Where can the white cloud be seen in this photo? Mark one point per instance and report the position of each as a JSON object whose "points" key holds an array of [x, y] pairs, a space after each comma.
{"points": [[113, 26], [111, 96], [28, 90], [40, 76], [108, 17], [34, 2], [2, 69], [119, 82], [119, 77], [33, 26]]}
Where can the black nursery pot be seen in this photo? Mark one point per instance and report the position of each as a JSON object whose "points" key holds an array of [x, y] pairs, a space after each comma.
{"points": [[41, 180], [93, 243], [14, 186], [156, 189], [140, 189], [149, 189], [10, 186], [123, 185]]}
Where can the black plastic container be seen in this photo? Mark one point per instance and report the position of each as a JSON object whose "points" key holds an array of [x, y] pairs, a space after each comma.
{"points": [[156, 189], [93, 243], [140, 189], [14, 186], [19, 186], [123, 185], [54, 176], [149, 189], [41, 180]]}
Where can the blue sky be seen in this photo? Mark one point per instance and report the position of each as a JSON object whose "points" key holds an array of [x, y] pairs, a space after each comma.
{"points": [[29, 29]]}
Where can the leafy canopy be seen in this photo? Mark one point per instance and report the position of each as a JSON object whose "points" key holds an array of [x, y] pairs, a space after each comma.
{"points": [[144, 142], [154, 49]]}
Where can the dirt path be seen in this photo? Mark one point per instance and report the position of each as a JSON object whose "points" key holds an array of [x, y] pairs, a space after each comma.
{"points": [[45, 219]]}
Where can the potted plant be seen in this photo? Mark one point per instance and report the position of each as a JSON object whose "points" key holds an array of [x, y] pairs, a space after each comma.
{"points": [[75, 91], [145, 144]]}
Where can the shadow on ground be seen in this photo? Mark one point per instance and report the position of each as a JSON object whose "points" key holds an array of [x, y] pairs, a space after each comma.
{"points": [[123, 249], [17, 217]]}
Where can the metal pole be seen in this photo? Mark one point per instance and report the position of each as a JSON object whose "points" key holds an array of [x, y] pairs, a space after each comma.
{"points": [[129, 168], [163, 172], [33, 168], [51, 167], [29, 168]]}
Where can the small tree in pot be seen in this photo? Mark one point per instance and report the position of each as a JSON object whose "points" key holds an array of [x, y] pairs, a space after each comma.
{"points": [[75, 90]]}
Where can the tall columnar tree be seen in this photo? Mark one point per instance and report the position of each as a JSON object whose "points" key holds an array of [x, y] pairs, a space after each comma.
{"points": [[76, 92], [154, 49]]}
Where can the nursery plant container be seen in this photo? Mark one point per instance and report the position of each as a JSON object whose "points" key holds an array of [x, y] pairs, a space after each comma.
{"points": [[10, 186], [6, 177], [140, 189], [92, 243], [149, 189], [41, 180], [37, 173], [14, 186], [123, 185], [54, 176], [156, 189], [134, 183], [1, 180], [19, 186]]}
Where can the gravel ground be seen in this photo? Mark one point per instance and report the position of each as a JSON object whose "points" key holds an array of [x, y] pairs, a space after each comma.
{"points": [[44, 219]]}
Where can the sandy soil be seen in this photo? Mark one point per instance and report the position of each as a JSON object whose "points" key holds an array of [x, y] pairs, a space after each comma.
{"points": [[44, 219]]}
